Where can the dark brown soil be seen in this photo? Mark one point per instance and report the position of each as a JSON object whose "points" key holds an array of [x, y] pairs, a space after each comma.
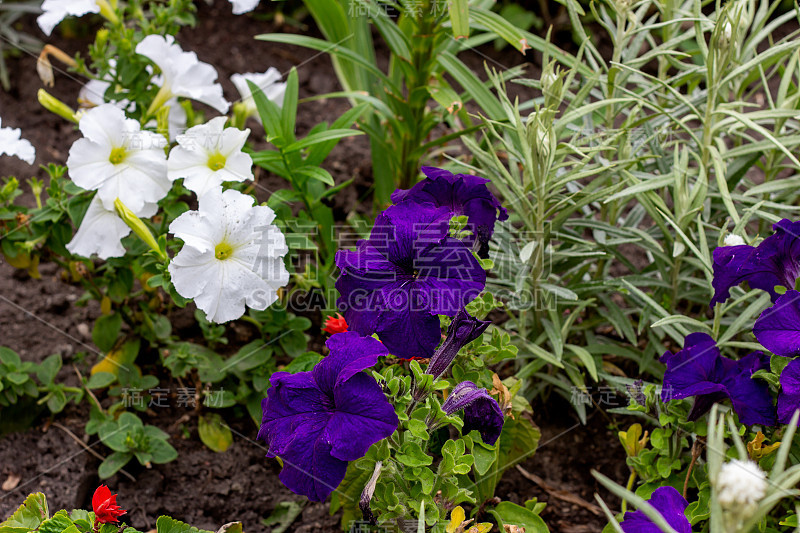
{"points": [[205, 489]]}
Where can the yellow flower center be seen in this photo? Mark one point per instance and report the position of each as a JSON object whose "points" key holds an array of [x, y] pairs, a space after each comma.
{"points": [[118, 155], [216, 161], [223, 251]]}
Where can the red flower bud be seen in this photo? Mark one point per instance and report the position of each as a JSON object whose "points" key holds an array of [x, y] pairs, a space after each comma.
{"points": [[335, 325], [104, 505]]}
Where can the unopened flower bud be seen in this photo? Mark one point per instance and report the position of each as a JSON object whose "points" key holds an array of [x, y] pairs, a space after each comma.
{"points": [[552, 86], [101, 37], [725, 35], [540, 141], [463, 330], [366, 495], [138, 227], [54, 105]]}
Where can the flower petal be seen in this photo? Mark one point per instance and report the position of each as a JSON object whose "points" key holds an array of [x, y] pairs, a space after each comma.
{"points": [[789, 397], [363, 410], [310, 469], [350, 353], [778, 327], [669, 503]]}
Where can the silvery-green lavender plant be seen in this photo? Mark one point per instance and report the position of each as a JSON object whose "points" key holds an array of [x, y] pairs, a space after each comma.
{"points": [[626, 177]]}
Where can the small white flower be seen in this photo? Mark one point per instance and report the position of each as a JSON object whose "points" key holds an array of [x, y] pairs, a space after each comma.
{"points": [[740, 486], [243, 6], [208, 155], [57, 10], [269, 82], [733, 240], [232, 255], [118, 159], [102, 230], [183, 74], [12, 144]]}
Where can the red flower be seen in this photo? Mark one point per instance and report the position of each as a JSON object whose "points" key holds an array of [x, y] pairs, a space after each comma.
{"points": [[335, 325], [104, 505]]}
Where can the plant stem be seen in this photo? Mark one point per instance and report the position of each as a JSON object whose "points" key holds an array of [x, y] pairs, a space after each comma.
{"points": [[629, 486]]}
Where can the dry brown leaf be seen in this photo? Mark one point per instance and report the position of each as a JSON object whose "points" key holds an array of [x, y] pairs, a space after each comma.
{"points": [[11, 482]]}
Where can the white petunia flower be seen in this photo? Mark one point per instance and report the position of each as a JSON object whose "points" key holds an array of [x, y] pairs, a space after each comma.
{"points": [[733, 240], [118, 159], [208, 154], [183, 74], [57, 10], [243, 6], [12, 144], [740, 486], [102, 230], [93, 94], [269, 82], [232, 255]]}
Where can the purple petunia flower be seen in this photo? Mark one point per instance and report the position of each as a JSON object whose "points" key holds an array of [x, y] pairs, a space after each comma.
{"points": [[481, 411], [778, 327], [774, 262], [462, 194], [789, 397], [317, 421], [463, 329], [409, 271], [700, 370], [669, 503]]}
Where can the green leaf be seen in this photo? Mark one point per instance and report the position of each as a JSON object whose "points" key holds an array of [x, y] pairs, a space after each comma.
{"points": [[106, 330], [501, 27], [508, 513], [250, 356], [484, 458], [459, 18], [289, 107], [17, 378], [418, 429], [303, 363], [316, 173], [320, 137], [411, 454], [57, 401], [9, 356], [113, 463], [99, 380], [162, 451], [269, 113], [59, 523], [214, 432], [165, 524], [473, 86], [28, 516], [49, 368], [284, 514]]}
